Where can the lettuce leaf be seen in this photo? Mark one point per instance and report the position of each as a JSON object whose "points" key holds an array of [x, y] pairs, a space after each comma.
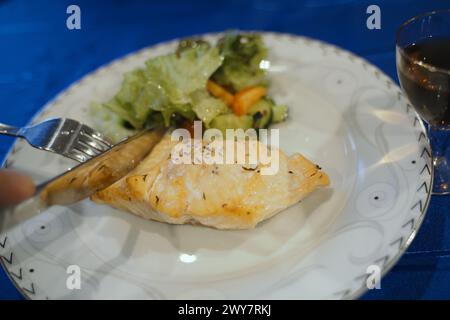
{"points": [[124, 111], [165, 86], [136, 98], [170, 112], [179, 75], [109, 123], [207, 107]]}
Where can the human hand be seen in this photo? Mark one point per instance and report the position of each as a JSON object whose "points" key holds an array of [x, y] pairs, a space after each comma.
{"points": [[14, 187]]}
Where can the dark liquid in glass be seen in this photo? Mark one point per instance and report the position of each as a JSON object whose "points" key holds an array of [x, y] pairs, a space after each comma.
{"points": [[428, 91]]}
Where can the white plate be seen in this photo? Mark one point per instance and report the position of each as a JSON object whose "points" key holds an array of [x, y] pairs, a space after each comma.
{"points": [[345, 114]]}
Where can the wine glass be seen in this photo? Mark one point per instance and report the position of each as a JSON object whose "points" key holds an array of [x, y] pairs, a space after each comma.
{"points": [[423, 68]]}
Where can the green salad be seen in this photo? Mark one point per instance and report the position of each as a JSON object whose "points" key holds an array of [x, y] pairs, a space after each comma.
{"points": [[223, 85]]}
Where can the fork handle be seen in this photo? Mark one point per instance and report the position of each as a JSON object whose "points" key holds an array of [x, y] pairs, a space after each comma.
{"points": [[10, 130]]}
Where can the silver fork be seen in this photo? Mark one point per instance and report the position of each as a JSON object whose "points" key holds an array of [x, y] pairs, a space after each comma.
{"points": [[66, 137]]}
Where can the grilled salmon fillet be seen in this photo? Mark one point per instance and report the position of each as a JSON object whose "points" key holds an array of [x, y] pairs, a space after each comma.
{"points": [[223, 196]]}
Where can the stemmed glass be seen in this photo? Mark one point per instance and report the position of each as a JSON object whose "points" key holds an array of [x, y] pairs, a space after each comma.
{"points": [[423, 67]]}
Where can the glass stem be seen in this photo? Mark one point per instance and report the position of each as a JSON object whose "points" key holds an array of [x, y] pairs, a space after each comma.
{"points": [[439, 139]]}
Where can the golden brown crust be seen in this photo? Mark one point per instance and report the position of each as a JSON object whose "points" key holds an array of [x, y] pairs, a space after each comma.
{"points": [[220, 196]]}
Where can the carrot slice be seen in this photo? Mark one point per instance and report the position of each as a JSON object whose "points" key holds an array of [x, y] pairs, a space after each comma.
{"points": [[245, 98], [220, 92]]}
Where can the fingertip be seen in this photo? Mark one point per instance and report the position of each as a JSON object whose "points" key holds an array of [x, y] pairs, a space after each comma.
{"points": [[25, 186], [14, 187]]}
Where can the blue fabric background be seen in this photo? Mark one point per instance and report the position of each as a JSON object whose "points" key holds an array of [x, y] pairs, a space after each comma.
{"points": [[39, 57]]}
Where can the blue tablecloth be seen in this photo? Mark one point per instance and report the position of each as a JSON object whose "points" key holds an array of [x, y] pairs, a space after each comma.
{"points": [[39, 57]]}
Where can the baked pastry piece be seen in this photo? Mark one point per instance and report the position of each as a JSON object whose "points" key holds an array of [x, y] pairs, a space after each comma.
{"points": [[223, 196]]}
